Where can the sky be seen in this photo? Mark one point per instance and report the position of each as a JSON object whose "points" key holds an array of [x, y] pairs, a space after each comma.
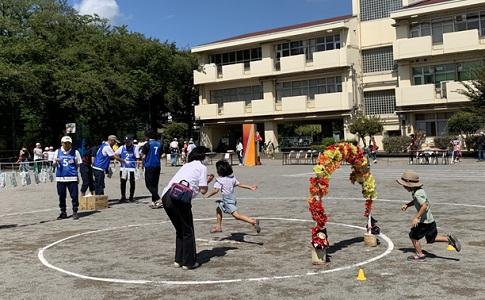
{"points": [[190, 23]]}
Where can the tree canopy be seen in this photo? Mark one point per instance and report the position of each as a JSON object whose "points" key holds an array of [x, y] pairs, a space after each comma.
{"points": [[59, 67], [363, 125]]}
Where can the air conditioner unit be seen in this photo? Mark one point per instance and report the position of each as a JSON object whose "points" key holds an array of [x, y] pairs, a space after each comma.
{"points": [[443, 89]]}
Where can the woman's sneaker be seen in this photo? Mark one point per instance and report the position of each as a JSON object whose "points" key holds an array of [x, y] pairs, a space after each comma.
{"points": [[454, 242]]}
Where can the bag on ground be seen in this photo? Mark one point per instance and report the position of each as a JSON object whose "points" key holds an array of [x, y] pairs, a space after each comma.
{"points": [[3, 180], [13, 179], [181, 191]]}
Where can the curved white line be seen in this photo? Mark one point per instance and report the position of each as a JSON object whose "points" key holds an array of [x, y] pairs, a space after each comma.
{"points": [[195, 282]]}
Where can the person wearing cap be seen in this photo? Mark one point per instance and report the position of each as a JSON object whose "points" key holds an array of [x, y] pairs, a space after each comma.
{"points": [[152, 153], [127, 170], [50, 156], [38, 156], [481, 146], [67, 161], [423, 224], [174, 151], [101, 163], [190, 147], [24, 156]]}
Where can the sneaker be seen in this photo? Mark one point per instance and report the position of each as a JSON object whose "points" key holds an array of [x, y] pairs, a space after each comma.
{"points": [[257, 227], [176, 265], [454, 242], [194, 266], [75, 216], [62, 216], [131, 199], [417, 257], [123, 200], [375, 161]]}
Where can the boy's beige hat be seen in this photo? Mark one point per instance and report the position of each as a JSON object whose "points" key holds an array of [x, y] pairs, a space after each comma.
{"points": [[410, 179]]}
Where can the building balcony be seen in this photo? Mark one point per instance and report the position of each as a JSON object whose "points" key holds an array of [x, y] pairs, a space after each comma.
{"points": [[207, 111], [453, 42], [208, 75], [428, 94], [333, 58], [333, 102], [461, 41], [412, 47]]}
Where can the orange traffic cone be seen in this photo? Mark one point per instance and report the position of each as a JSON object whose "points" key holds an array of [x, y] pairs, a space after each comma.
{"points": [[361, 275]]}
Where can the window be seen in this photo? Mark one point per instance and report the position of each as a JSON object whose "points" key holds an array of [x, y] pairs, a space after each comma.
{"points": [[380, 102], [433, 124], [246, 94], [373, 10], [236, 57], [307, 47], [436, 27], [435, 74], [378, 60], [309, 88]]}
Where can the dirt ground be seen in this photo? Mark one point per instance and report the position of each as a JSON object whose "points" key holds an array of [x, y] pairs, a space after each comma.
{"points": [[126, 251]]}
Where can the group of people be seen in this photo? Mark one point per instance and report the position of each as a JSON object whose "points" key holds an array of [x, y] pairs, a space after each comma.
{"points": [[176, 151], [42, 157]]}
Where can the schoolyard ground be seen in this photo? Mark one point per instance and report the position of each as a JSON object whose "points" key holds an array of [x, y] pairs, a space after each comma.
{"points": [[126, 251]]}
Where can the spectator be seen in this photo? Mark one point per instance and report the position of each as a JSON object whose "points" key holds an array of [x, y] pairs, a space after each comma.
{"points": [[174, 151], [101, 163], [456, 151], [190, 147], [24, 156], [239, 151], [50, 157], [412, 148], [38, 156], [481, 146], [373, 149]]}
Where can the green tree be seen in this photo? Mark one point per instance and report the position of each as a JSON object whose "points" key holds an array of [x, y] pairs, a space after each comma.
{"points": [[362, 125], [466, 123]]}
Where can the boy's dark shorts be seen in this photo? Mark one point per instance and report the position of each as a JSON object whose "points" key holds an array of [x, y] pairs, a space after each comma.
{"points": [[424, 230]]}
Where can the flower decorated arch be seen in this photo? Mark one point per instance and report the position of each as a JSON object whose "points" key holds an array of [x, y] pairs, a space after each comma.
{"points": [[327, 163]]}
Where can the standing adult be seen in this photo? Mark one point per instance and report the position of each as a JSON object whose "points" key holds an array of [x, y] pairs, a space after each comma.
{"points": [[239, 151], [373, 149], [24, 156], [180, 213], [86, 170], [129, 152], [152, 153], [174, 151], [190, 147], [67, 161], [38, 157], [412, 148], [50, 156], [481, 146], [101, 163]]}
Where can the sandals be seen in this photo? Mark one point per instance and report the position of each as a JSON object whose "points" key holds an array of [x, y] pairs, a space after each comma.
{"points": [[216, 229], [156, 205], [417, 257]]}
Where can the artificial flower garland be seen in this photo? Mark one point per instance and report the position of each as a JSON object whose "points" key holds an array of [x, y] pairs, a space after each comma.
{"points": [[328, 162]]}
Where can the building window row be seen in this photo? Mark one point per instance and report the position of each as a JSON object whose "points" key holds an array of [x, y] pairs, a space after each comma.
{"points": [[446, 72], [436, 27], [307, 47], [378, 60], [373, 10], [246, 94], [309, 88], [433, 124], [236, 57], [380, 102]]}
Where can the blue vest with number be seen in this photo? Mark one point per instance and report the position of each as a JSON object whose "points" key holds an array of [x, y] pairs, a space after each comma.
{"points": [[66, 168], [152, 158], [100, 161], [128, 154]]}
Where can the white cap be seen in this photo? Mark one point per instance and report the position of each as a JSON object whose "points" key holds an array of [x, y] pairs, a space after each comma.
{"points": [[46, 148], [66, 139], [37, 144]]}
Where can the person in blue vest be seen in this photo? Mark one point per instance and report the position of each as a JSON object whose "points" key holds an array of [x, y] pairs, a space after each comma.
{"points": [[101, 163], [67, 161], [152, 153], [129, 152]]}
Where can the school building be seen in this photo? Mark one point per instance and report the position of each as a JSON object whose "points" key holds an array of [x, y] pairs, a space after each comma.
{"points": [[399, 59]]}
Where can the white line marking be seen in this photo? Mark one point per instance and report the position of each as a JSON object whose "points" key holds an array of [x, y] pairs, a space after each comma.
{"points": [[44, 261]]}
